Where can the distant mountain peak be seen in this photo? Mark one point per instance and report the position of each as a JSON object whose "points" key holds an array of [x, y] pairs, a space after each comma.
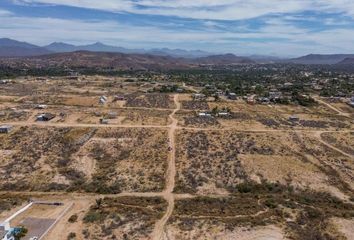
{"points": [[8, 42], [14, 48], [99, 44]]}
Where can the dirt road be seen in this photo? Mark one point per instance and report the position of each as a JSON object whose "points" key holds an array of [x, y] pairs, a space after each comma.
{"points": [[319, 136], [83, 125], [339, 112], [159, 230]]}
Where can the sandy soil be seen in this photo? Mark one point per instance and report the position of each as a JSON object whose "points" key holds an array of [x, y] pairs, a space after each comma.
{"points": [[345, 227]]}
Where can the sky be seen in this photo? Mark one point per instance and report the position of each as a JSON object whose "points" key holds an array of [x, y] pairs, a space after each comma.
{"points": [[243, 27]]}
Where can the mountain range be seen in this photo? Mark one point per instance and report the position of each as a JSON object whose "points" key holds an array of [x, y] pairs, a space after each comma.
{"points": [[118, 61], [27, 49], [13, 48]]}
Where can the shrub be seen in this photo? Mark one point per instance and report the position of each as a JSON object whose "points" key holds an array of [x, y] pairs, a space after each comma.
{"points": [[93, 216], [73, 218], [71, 236]]}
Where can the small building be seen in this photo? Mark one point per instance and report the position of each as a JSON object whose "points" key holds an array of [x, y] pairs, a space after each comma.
{"points": [[275, 95], [119, 98], [251, 99], [288, 84], [41, 106], [223, 114], [294, 119], [112, 115], [103, 121], [219, 92], [102, 99], [5, 128], [204, 114], [6, 232], [351, 103], [199, 97], [264, 100], [5, 81], [232, 96], [45, 117]]}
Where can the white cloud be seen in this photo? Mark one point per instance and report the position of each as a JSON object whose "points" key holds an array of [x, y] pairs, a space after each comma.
{"points": [[208, 9], [5, 12]]}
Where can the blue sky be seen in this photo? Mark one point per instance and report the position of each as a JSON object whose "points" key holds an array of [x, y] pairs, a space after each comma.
{"points": [[264, 27]]}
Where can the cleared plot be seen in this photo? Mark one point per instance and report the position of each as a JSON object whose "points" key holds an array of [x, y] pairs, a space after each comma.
{"points": [[245, 116], [124, 116], [259, 211], [191, 119], [20, 88], [124, 160], [38, 157], [83, 159], [195, 105], [241, 106], [39, 217], [149, 101], [216, 161], [123, 218], [36, 226], [12, 115]]}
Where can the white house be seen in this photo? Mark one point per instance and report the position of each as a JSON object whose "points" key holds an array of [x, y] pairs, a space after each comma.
{"points": [[6, 232]]}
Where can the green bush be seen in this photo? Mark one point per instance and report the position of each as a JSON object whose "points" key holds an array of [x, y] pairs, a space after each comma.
{"points": [[93, 216]]}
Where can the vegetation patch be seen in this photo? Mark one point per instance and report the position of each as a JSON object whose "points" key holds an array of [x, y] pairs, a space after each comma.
{"points": [[124, 216]]}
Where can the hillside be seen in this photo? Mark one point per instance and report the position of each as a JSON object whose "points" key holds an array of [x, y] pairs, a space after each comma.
{"points": [[119, 61], [226, 59], [347, 61], [321, 59]]}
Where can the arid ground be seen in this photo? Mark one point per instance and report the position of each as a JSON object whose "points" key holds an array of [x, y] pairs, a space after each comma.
{"points": [[144, 165]]}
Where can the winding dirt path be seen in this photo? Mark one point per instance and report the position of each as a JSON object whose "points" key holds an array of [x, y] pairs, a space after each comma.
{"points": [[339, 112], [319, 136], [159, 231]]}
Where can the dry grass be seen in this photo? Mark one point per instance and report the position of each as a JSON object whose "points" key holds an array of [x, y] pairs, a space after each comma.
{"points": [[219, 160], [123, 218]]}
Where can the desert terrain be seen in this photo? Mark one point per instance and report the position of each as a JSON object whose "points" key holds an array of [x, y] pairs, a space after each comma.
{"points": [[126, 162]]}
